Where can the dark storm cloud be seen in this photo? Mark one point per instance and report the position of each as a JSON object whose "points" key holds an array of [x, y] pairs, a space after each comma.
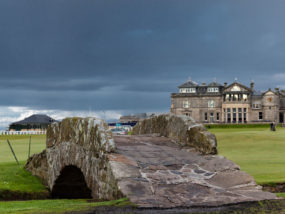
{"points": [[131, 54]]}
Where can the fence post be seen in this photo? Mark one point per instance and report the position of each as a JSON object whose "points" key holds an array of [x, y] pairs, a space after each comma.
{"points": [[12, 151]]}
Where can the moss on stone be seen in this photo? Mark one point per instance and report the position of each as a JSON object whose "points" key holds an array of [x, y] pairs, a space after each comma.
{"points": [[183, 130]]}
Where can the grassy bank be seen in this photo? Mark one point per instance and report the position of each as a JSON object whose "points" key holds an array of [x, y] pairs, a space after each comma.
{"points": [[18, 184], [258, 151]]}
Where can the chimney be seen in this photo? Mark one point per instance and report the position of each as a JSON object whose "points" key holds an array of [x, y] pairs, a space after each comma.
{"points": [[252, 85], [225, 84]]}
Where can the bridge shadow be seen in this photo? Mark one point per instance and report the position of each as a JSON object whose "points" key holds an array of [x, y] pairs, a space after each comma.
{"points": [[70, 184]]}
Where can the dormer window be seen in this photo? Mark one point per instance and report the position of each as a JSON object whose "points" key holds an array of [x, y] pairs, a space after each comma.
{"points": [[187, 90], [211, 89]]}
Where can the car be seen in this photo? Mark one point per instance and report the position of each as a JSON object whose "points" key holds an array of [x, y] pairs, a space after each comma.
{"points": [[118, 131]]}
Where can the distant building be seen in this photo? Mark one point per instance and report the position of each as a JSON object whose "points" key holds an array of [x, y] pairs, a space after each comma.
{"points": [[36, 122], [133, 118], [234, 103]]}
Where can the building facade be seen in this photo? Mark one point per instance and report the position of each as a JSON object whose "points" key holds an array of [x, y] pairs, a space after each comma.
{"points": [[234, 103]]}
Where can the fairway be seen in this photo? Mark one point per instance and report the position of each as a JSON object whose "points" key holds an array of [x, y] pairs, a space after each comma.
{"points": [[13, 177], [20, 144], [258, 151]]}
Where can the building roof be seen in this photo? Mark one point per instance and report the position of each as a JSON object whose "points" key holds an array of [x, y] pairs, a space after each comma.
{"points": [[188, 84], [239, 84], [214, 84], [35, 119]]}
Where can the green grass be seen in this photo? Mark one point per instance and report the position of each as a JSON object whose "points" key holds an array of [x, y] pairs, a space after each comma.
{"points": [[13, 177], [281, 194], [258, 151], [55, 206], [20, 144]]}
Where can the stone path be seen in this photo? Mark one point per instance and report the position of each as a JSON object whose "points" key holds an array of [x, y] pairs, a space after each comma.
{"points": [[154, 172]]}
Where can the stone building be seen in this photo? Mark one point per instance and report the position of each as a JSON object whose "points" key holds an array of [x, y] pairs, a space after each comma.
{"points": [[234, 103]]}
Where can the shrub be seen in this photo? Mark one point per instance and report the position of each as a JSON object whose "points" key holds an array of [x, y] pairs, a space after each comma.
{"points": [[215, 126]]}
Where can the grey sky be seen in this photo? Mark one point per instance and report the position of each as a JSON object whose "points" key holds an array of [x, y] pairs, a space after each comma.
{"points": [[129, 55]]}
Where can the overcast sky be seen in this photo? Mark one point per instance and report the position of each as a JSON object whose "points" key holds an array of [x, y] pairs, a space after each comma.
{"points": [[107, 58]]}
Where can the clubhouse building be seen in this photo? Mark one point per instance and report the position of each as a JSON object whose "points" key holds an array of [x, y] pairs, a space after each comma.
{"points": [[234, 103]]}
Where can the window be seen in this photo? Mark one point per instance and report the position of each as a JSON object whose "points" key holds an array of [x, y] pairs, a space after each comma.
{"points": [[213, 90], [225, 116], [244, 115], [229, 115], [206, 116], [234, 115], [260, 116], [211, 117], [227, 97], [218, 116], [211, 104], [256, 105], [239, 97], [244, 97], [186, 104], [187, 90], [240, 115]]}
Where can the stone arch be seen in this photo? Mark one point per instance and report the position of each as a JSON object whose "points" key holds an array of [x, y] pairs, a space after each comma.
{"points": [[83, 144], [70, 184]]}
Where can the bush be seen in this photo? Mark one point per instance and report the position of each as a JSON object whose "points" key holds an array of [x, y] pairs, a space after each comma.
{"points": [[217, 126]]}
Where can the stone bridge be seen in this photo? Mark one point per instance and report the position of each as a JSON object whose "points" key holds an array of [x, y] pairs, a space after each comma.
{"points": [[171, 164]]}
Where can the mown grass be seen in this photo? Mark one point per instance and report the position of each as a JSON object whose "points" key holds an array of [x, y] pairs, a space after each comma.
{"points": [[259, 151], [13, 177], [20, 144], [55, 206]]}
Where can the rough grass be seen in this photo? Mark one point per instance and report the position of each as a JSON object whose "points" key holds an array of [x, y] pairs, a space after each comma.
{"points": [[55, 206], [260, 152]]}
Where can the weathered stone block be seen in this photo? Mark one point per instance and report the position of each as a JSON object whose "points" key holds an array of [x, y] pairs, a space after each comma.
{"points": [[183, 129], [37, 165]]}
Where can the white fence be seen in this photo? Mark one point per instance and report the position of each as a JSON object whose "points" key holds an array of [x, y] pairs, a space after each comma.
{"points": [[22, 132]]}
